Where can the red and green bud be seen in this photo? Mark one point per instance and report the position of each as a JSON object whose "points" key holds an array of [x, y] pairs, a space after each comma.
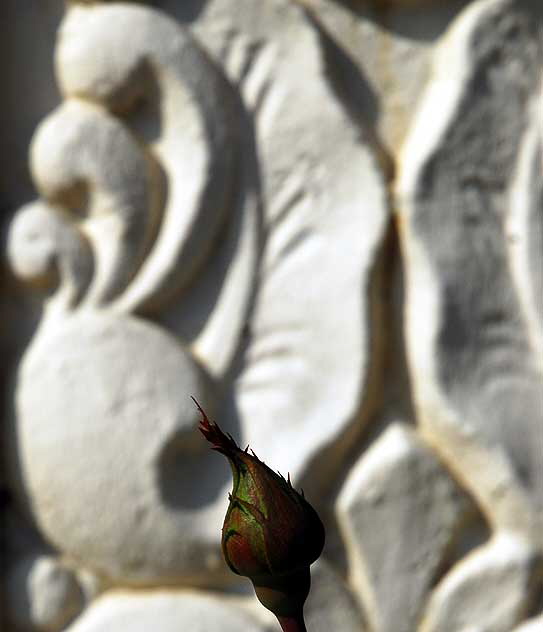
{"points": [[271, 534]]}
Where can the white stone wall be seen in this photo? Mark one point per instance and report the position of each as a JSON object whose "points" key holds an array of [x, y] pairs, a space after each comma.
{"points": [[324, 220]]}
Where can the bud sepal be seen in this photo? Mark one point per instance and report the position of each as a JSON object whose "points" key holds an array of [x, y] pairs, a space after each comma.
{"points": [[271, 534]]}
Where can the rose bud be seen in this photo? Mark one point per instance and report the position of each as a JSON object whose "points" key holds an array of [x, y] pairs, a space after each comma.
{"points": [[271, 534]]}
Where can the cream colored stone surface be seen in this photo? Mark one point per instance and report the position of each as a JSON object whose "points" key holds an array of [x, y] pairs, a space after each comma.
{"points": [[322, 190], [72, 155], [43, 594], [491, 590], [164, 611], [473, 337], [118, 218], [178, 104], [225, 199], [106, 479], [331, 604], [399, 511], [379, 55]]}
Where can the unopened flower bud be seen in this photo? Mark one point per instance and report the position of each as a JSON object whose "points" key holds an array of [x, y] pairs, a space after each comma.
{"points": [[271, 534]]}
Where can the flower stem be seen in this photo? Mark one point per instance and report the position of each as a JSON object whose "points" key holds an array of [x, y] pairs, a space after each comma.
{"points": [[293, 624]]}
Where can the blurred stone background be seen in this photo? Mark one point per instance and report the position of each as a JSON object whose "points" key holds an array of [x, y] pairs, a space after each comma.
{"points": [[324, 220]]}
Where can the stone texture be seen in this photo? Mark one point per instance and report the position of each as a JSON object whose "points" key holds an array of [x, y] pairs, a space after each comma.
{"points": [[122, 483], [490, 590], [524, 226], [232, 239], [331, 605], [42, 594], [131, 210], [164, 611], [194, 141], [44, 248], [398, 510], [469, 163], [194, 132], [78, 143], [378, 57], [325, 189]]}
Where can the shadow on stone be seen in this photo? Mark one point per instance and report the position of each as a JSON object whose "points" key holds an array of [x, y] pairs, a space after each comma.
{"points": [[192, 476], [425, 22]]}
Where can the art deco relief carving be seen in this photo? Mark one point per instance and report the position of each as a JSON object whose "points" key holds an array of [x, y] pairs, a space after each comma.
{"points": [[128, 225], [463, 189], [226, 202]]}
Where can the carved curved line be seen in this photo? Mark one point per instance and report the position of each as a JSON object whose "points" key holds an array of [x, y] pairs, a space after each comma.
{"points": [[83, 157], [198, 144], [481, 446], [44, 247], [525, 228]]}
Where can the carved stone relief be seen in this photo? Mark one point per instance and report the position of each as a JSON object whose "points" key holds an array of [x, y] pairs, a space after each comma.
{"points": [[100, 186], [226, 201], [463, 193]]}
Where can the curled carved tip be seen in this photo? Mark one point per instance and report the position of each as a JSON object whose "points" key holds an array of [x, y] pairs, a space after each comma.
{"points": [[211, 431]]}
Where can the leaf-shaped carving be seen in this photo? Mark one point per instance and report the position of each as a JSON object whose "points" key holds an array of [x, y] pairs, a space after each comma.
{"points": [[490, 590], [399, 511], [476, 368], [308, 358]]}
